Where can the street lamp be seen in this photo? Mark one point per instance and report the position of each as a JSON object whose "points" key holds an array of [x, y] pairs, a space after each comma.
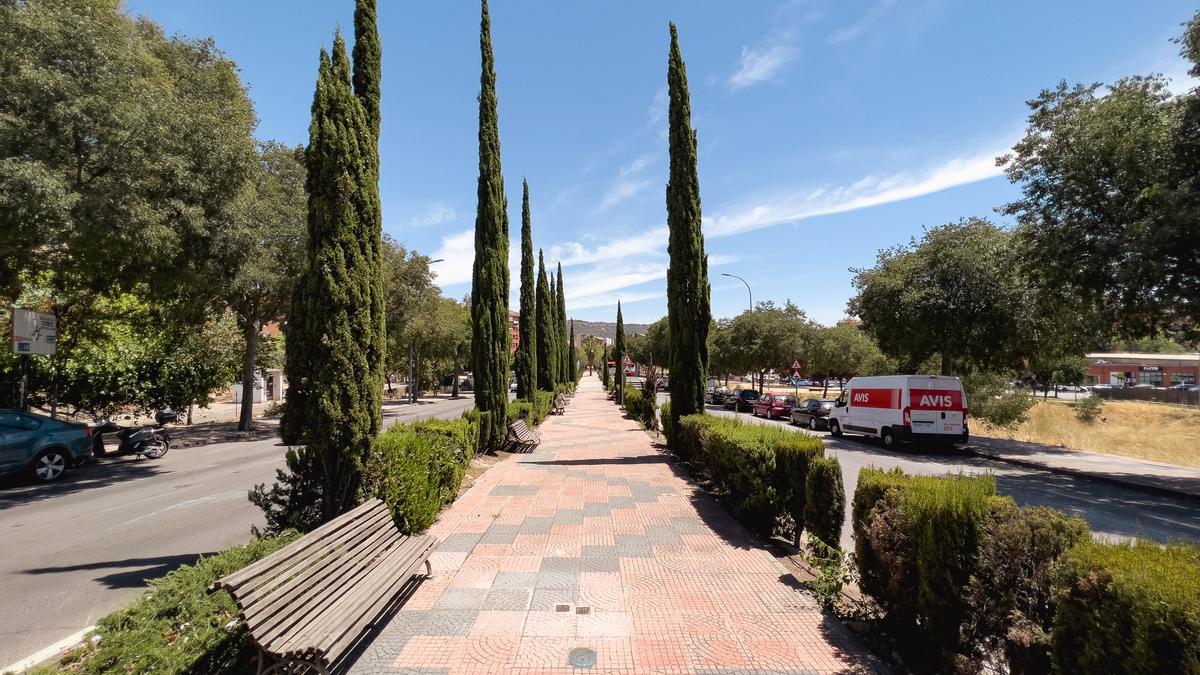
{"points": [[748, 291]]}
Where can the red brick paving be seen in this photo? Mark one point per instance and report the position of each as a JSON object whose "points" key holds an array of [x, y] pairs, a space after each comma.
{"points": [[654, 577]]}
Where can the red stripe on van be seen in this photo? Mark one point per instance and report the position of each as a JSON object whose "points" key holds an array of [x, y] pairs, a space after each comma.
{"points": [[935, 399], [875, 398]]}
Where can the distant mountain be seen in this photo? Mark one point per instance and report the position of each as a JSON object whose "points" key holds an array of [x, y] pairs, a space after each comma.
{"points": [[607, 329]]}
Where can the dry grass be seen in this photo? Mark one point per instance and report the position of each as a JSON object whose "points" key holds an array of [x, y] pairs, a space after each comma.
{"points": [[1162, 433]]}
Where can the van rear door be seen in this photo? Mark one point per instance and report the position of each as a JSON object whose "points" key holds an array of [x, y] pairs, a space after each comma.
{"points": [[936, 405]]}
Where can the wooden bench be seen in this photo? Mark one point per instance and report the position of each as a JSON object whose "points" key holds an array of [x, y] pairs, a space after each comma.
{"points": [[521, 438], [560, 404], [310, 603]]}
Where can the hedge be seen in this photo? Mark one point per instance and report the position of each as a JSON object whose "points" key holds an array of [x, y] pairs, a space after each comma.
{"points": [[416, 469], [641, 407], [664, 414], [534, 412], [176, 626], [825, 506], [1127, 608], [916, 539], [793, 457]]}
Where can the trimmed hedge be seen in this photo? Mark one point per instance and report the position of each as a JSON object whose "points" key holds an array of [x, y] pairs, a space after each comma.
{"points": [[1127, 608], [641, 407], [416, 469], [916, 539], [793, 458], [664, 414], [534, 412], [825, 507], [176, 626], [692, 430]]}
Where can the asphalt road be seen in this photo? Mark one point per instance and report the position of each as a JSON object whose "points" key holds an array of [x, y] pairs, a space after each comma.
{"points": [[1112, 511], [77, 549]]}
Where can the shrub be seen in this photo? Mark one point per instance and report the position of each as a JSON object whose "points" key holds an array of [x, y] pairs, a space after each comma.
{"points": [[641, 406], [991, 400], [1008, 597], [669, 431], [533, 412], [792, 459], [930, 527], [1087, 410], [416, 469], [293, 502], [1127, 608], [176, 626], [825, 506], [692, 429]]}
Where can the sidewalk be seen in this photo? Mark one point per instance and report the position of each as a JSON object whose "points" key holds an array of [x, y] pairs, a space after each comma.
{"points": [[1169, 479], [595, 552]]}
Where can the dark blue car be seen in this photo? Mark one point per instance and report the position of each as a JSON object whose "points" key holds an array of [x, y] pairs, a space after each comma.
{"points": [[42, 446]]}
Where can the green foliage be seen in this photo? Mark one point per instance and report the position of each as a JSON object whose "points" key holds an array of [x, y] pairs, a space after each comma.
{"points": [[560, 327], [1008, 597], [692, 430], [991, 399], [641, 406], [1127, 608], [545, 329], [766, 337], [526, 362], [842, 351], [792, 461], [489, 280], [534, 412], [334, 343], [689, 312], [916, 539], [835, 569], [417, 468], [294, 500], [177, 627], [825, 506], [669, 431], [572, 357], [619, 350], [1088, 410], [604, 367]]}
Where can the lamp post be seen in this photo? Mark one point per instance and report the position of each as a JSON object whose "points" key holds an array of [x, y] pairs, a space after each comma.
{"points": [[748, 291]]}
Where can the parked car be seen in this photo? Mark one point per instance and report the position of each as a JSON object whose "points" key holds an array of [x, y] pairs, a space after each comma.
{"points": [[741, 400], [1071, 388], [44, 447], [717, 396], [771, 406], [663, 383], [813, 413], [1185, 386]]}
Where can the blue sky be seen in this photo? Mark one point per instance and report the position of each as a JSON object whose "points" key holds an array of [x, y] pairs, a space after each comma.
{"points": [[827, 130]]}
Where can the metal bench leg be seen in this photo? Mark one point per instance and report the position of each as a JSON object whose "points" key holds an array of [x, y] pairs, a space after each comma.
{"points": [[428, 568], [296, 667]]}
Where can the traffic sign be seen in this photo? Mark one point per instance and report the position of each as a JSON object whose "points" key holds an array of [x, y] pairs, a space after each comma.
{"points": [[34, 332], [796, 366]]}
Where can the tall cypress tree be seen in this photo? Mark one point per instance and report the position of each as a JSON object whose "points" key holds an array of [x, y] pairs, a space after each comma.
{"points": [[333, 396], [491, 332], [368, 70], [545, 337], [619, 351], [560, 325], [526, 363], [688, 310], [552, 326], [604, 366], [573, 358]]}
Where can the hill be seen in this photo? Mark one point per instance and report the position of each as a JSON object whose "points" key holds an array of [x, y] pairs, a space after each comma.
{"points": [[607, 329]]}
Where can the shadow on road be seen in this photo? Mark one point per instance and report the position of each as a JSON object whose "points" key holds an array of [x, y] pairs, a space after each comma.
{"points": [[17, 489], [144, 569]]}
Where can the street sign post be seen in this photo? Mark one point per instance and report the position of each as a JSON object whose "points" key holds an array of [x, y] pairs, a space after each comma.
{"points": [[32, 333]]}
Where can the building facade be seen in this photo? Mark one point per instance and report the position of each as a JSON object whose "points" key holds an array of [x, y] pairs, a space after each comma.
{"points": [[1127, 369]]}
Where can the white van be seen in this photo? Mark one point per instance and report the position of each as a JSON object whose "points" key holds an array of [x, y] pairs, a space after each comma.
{"points": [[902, 408]]}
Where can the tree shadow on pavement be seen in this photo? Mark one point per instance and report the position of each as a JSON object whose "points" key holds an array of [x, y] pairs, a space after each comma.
{"points": [[18, 490], [143, 569]]}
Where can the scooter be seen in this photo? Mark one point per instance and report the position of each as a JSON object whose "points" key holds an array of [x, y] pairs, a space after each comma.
{"points": [[150, 440]]}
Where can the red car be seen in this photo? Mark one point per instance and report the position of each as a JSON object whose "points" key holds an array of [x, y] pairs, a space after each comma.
{"points": [[774, 405]]}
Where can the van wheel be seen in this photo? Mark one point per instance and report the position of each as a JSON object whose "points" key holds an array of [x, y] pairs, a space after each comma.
{"points": [[835, 429], [888, 438]]}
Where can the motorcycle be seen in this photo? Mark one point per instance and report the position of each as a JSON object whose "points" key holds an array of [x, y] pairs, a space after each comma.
{"points": [[149, 440]]}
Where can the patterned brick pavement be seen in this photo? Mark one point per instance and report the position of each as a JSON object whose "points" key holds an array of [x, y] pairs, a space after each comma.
{"points": [[596, 548]]}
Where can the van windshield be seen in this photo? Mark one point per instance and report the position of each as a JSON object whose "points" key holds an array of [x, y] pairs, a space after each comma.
{"points": [[841, 400]]}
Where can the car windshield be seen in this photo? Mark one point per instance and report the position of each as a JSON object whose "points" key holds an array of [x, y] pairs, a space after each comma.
{"points": [[750, 394], [786, 399]]}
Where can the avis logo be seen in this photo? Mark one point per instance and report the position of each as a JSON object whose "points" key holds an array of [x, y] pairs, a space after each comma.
{"points": [[862, 397], [936, 401]]}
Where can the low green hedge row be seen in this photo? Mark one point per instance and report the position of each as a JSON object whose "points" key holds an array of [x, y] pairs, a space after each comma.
{"points": [[641, 407], [534, 412], [416, 469], [176, 626]]}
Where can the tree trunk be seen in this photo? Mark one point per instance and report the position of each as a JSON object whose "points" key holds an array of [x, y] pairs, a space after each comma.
{"points": [[246, 419], [189, 415], [417, 377], [409, 393], [454, 387], [947, 369]]}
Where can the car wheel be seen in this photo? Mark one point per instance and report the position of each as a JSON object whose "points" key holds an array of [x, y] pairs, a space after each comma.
{"points": [[888, 438], [50, 465], [835, 429], [812, 423]]}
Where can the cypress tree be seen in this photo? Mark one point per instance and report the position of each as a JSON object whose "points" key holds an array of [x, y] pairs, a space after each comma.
{"points": [[688, 310], [552, 333], [332, 401], [545, 338], [526, 363], [564, 373], [604, 366], [619, 351], [573, 358], [491, 332], [368, 70]]}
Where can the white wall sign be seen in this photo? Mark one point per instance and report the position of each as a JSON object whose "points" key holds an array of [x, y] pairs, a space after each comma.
{"points": [[34, 332]]}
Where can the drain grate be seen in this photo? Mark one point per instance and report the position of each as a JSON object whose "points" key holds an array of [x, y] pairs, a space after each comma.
{"points": [[582, 657], [583, 610], [562, 608]]}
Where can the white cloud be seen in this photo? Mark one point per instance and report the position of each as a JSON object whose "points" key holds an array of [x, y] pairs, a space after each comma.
{"points": [[760, 64], [458, 255], [653, 241], [435, 214], [623, 190], [638, 164], [849, 33], [610, 299], [866, 192], [657, 112]]}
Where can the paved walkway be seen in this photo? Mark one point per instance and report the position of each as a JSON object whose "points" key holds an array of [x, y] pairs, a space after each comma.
{"points": [[595, 550]]}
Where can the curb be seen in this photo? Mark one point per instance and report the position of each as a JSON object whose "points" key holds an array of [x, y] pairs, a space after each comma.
{"points": [[1101, 477], [46, 653]]}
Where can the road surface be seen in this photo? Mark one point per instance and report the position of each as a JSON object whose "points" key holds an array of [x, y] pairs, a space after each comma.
{"points": [[1112, 511], [78, 549]]}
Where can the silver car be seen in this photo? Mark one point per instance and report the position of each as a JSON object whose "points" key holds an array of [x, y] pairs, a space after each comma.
{"points": [[44, 447]]}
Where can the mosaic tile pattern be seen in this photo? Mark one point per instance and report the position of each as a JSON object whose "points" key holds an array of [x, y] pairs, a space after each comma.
{"points": [[597, 541]]}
